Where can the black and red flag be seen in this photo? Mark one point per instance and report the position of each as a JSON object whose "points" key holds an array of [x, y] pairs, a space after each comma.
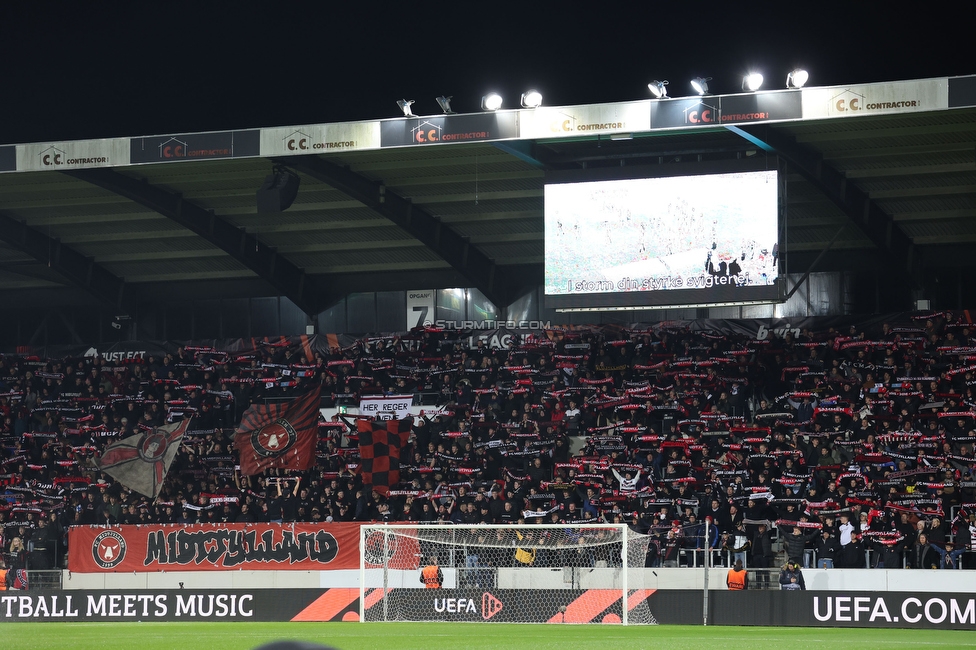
{"points": [[140, 462], [380, 443], [279, 435]]}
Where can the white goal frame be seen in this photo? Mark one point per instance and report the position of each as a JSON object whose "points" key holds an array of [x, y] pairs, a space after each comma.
{"points": [[453, 539]]}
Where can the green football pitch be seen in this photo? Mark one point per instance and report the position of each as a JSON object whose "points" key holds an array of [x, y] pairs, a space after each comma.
{"points": [[462, 636]]}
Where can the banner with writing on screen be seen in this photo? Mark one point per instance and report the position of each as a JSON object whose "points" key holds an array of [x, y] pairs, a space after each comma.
{"points": [[213, 547]]}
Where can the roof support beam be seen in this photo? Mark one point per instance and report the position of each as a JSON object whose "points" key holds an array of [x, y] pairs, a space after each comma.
{"points": [[476, 267], [864, 212], [525, 150], [79, 270], [287, 279]]}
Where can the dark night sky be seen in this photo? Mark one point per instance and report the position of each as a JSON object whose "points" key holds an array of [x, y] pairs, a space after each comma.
{"points": [[142, 68]]}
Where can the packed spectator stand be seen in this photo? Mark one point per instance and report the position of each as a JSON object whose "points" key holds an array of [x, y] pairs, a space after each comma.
{"points": [[831, 448]]}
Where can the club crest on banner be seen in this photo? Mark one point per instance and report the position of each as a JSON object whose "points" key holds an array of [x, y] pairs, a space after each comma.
{"points": [[142, 460], [152, 447], [274, 439], [108, 549], [379, 548], [281, 435]]}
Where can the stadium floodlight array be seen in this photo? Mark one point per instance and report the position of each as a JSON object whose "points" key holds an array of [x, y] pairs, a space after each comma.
{"points": [[444, 101], [658, 88], [752, 82], [797, 78], [567, 573], [531, 99], [700, 85], [404, 105], [491, 102]]}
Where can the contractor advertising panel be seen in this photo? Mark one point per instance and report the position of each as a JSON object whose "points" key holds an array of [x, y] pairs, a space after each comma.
{"points": [[876, 99], [194, 146], [213, 547], [686, 112], [79, 154], [596, 119], [8, 158], [962, 91], [319, 138], [443, 129], [778, 106]]}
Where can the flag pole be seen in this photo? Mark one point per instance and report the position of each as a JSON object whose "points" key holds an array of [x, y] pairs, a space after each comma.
{"points": [[708, 557]]}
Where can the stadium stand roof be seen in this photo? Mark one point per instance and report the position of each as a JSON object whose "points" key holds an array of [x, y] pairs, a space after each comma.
{"points": [[878, 175]]}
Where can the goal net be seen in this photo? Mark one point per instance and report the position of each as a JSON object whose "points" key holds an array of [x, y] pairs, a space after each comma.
{"points": [[499, 573]]}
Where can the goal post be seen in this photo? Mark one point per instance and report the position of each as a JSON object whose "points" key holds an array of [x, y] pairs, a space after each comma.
{"points": [[553, 573]]}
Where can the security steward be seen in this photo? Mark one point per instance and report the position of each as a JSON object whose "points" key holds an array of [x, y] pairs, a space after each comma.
{"points": [[432, 576], [737, 579]]}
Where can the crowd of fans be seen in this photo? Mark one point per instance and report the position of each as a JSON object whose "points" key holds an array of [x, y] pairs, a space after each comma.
{"points": [[822, 443]]}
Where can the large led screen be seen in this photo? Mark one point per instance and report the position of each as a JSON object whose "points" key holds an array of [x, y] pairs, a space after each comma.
{"points": [[662, 241]]}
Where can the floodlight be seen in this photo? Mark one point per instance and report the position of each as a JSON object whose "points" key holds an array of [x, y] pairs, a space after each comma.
{"points": [[404, 105], [797, 78], [531, 99], [491, 102], [752, 82], [658, 89], [700, 84], [445, 104]]}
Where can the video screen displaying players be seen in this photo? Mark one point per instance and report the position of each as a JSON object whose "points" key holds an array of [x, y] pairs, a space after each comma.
{"points": [[662, 241]]}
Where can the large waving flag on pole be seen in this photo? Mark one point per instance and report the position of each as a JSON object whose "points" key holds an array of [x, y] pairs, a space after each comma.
{"points": [[279, 435], [141, 461]]}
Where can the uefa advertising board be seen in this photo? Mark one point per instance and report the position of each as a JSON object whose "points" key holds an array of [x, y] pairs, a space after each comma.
{"points": [[668, 607]]}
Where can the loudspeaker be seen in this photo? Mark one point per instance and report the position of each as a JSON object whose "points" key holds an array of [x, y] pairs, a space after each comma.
{"points": [[278, 191]]}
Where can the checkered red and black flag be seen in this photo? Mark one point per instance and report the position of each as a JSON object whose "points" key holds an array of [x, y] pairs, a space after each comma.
{"points": [[380, 443], [279, 435]]}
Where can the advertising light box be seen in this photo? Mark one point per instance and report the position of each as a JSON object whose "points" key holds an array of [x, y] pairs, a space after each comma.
{"points": [[677, 240]]}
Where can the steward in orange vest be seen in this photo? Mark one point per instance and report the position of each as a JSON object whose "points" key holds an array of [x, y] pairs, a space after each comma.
{"points": [[431, 576], [737, 580]]}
